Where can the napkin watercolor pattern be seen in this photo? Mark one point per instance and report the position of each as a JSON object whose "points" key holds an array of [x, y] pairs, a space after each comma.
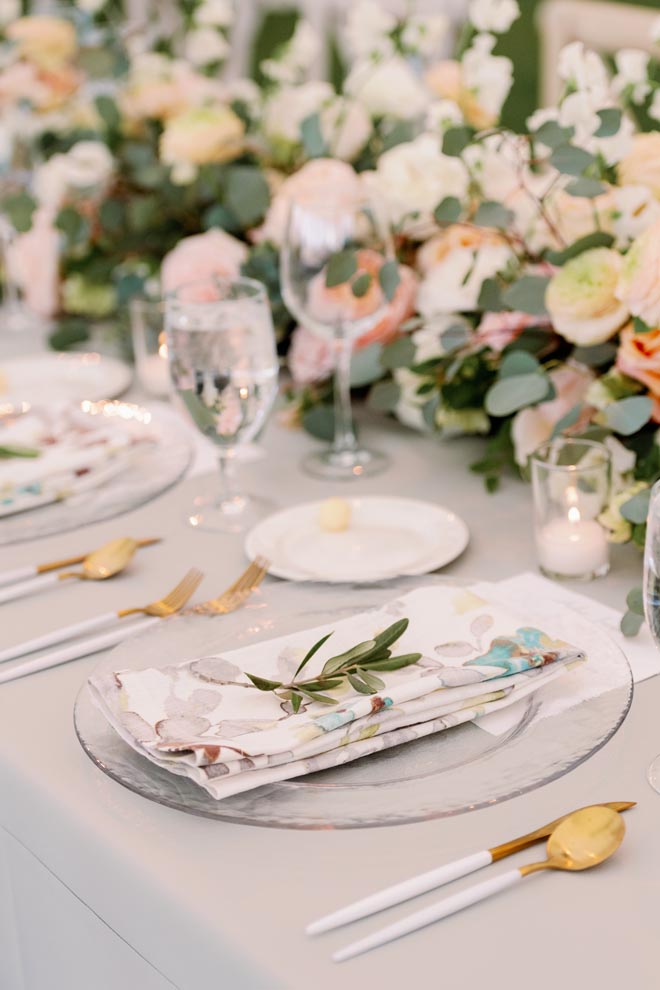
{"points": [[76, 452], [202, 719]]}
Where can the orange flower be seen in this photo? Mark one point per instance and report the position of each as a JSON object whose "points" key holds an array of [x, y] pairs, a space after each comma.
{"points": [[639, 358]]}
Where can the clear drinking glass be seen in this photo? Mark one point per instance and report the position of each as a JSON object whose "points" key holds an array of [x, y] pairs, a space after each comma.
{"points": [[150, 345], [317, 235], [223, 364], [571, 485], [652, 593]]}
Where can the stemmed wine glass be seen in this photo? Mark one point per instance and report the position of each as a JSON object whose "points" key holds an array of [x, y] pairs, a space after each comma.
{"points": [[652, 593], [223, 364], [331, 261]]}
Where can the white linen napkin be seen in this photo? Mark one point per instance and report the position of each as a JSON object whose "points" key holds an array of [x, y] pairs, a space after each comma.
{"points": [[76, 452], [201, 718]]}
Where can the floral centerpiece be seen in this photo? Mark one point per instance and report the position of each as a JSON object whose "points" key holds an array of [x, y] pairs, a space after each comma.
{"points": [[527, 301]]}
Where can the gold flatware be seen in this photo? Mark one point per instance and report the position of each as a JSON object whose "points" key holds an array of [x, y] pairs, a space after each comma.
{"points": [[440, 875], [173, 601], [583, 839], [55, 565], [108, 560], [161, 608], [234, 596]]}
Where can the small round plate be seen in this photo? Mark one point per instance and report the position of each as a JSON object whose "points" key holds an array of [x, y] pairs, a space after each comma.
{"points": [[51, 377], [448, 773], [387, 537]]}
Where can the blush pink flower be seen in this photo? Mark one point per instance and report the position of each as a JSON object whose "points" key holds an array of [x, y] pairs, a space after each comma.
{"points": [[534, 425], [310, 358], [323, 180], [201, 256], [498, 330], [33, 260]]}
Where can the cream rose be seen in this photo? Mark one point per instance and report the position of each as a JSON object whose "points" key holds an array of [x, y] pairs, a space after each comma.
{"points": [[200, 256], [201, 136], [48, 42], [639, 358], [581, 298], [455, 265], [641, 166], [289, 106], [322, 180], [413, 178], [388, 88], [639, 283]]}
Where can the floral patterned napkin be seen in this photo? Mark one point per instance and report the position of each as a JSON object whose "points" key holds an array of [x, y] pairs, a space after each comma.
{"points": [[202, 718], [74, 453]]}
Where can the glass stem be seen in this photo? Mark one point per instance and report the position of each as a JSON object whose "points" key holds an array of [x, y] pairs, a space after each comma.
{"points": [[227, 490], [344, 438], [11, 296]]}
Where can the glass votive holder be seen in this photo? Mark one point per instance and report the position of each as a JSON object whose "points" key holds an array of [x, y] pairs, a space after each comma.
{"points": [[571, 484], [150, 345]]}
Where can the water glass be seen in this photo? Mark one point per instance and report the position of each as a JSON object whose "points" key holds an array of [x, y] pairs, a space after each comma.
{"points": [[147, 318], [571, 485], [223, 364]]}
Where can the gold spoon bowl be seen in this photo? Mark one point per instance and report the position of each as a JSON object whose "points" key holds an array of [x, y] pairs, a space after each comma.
{"points": [[584, 839], [105, 562]]}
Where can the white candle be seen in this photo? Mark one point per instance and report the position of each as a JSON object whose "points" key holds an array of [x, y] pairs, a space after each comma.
{"points": [[572, 547], [154, 374]]}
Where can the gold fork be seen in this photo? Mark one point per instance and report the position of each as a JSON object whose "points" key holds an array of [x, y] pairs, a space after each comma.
{"points": [[168, 605], [234, 596], [172, 602]]}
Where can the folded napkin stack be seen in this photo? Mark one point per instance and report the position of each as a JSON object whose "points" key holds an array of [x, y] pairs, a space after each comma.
{"points": [[203, 719], [73, 452]]}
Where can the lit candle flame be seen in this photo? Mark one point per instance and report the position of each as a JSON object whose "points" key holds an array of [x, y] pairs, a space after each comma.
{"points": [[574, 514], [162, 345]]}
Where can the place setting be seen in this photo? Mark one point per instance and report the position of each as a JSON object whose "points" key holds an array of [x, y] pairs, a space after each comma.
{"points": [[361, 331]]}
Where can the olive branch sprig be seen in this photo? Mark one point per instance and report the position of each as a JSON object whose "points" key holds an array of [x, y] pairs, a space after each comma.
{"points": [[359, 666]]}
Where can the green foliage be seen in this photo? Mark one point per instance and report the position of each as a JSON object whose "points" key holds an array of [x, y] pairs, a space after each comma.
{"points": [[527, 295], [571, 160], [491, 214], [629, 415], [312, 137], [508, 395], [599, 238], [389, 278], [448, 211], [246, 194], [19, 208], [341, 267], [456, 140], [636, 509], [400, 353], [384, 396]]}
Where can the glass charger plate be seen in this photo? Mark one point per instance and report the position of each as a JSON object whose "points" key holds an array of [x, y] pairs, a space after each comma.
{"points": [[444, 774], [156, 470]]}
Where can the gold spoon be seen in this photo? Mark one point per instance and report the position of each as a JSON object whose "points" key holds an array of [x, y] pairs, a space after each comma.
{"points": [[105, 562], [582, 840]]}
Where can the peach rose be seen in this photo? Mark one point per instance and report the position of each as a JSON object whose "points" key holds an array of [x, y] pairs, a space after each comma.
{"points": [[438, 248], [159, 87], [641, 166], [330, 306], [498, 330], [577, 216], [48, 42], [323, 180], [200, 256], [639, 283], [33, 260], [639, 358], [533, 426]]}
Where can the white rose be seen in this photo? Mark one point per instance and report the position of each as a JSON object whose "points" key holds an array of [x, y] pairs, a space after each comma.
{"points": [[488, 77], [289, 106], [443, 114], [455, 283], [579, 110], [498, 164], [408, 409], [300, 53], [584, 68], [388, 89], [89, 165], [493, 15], [205, 45], [346, 128], [632, 70], [425, 35], [635, 209], [412, 178], [215, 13], [368, 29]]}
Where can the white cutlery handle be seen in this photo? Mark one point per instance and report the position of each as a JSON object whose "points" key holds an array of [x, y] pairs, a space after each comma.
{"points": [[58, 636], [27, 587], [399, 892], [85, 648], [441, 909], [18, 574]]}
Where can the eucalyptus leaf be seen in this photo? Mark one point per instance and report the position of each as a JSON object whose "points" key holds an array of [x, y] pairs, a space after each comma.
{"points": [[518, 363], [448, 211], [508, 395], [389, 278], [384, 396], [455, 140], [360, 286], [399, 354], [527, 294], [639, 326], [247, 194], [610, 122], [553, 134], [636, 509], [319, 421], [568, 420], [597, 355], [492, 214], [490, 296], [631, 624], [312, 136], [570, 160], [19, 209], [454, 337], [599, 238], [341, 267], [586, 188], [635, 601], [366, 365], [627, 416]]}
